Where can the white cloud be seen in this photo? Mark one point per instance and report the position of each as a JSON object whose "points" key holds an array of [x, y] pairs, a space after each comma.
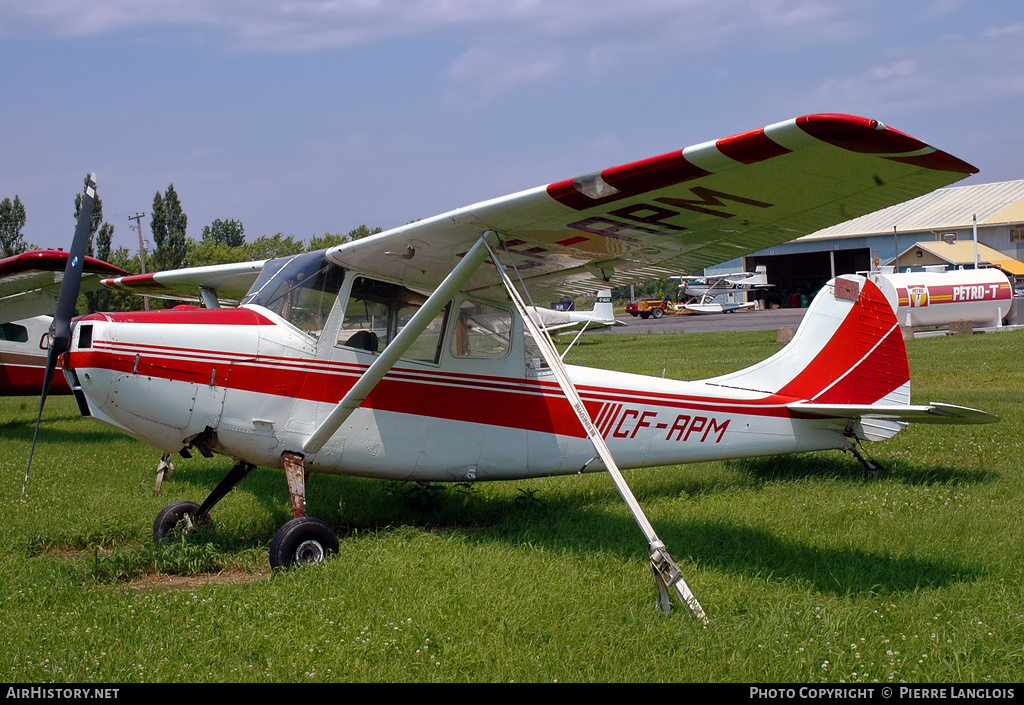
{"points": [[482, 73], [315, 24]]}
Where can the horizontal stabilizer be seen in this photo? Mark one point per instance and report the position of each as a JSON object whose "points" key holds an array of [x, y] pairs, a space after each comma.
{"points": [[933, 412]]}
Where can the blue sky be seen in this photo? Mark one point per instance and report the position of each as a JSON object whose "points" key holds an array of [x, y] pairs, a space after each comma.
{"points": [[306, 117]]}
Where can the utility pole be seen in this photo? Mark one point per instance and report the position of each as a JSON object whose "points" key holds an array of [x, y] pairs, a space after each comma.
{"points": [[142, 249]]}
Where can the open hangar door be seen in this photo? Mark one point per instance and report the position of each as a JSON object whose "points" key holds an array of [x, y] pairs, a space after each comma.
{"points": [[797, 277]]}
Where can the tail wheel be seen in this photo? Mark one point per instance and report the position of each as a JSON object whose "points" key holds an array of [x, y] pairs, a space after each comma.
{"points": [[178, 519], [300, 542]]}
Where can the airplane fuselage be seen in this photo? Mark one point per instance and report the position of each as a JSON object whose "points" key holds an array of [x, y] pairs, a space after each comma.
{"points": [[250, 384], [23, 348]]}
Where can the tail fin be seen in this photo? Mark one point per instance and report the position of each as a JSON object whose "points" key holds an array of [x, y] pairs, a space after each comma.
{"points": [[603, 308], [848, 350]]}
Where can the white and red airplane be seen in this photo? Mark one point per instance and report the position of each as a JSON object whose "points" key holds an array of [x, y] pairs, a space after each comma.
{"points": [[700, 286], [29, 284], [410, 355], [704, 288]]}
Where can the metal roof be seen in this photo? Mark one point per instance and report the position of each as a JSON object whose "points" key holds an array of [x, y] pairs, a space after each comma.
{"points": [[948, 208]]}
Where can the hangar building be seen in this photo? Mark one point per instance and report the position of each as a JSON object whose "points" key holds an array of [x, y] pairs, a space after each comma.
{"points": [[936, 228]]}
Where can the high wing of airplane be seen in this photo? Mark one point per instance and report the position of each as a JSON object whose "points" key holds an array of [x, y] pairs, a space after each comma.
{"points": [[29, 283], [411, 355], [560, 322]]}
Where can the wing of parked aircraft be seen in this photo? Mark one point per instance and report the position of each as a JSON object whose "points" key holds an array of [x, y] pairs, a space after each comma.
{"points": [[678, 212], [213, 284], [30, 281]]}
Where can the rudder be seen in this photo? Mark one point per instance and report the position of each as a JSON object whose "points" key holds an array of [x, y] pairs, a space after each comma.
{"points": [[848, 350]]}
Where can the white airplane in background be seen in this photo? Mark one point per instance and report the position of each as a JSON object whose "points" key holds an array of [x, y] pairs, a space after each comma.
{"points": [[709, 285], [558, 322], [704, 289], [428, 366], [29, 283]]}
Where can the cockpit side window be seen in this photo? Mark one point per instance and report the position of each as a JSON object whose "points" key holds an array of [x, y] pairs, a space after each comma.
{"points": [[301, 289], [377, 311], [13, 332]]}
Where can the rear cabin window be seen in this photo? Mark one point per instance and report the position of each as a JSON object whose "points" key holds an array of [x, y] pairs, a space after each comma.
{"points": [[482, 330]]}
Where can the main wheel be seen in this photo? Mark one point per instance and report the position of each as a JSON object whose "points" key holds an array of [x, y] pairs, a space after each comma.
{"points": [[177, 519], [302, 541]]}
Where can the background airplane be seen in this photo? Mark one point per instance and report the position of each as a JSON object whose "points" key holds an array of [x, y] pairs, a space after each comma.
{"points": [[560, 322], [29, 284], [716, 284], [702, 290]]}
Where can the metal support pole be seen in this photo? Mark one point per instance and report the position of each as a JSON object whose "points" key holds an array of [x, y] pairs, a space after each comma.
{"points": [[402, 342], [663, 565]]}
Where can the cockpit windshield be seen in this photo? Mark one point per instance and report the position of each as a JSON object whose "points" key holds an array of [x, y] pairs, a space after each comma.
{"points": [[301, 289]]}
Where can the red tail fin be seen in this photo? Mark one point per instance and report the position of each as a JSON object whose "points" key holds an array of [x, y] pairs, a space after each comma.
{"points": [[849, 350]]}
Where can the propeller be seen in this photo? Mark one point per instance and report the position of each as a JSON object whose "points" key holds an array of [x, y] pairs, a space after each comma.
{"points": [[60, 329]]}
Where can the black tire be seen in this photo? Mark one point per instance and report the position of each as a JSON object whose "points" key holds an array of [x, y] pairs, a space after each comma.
{"points": [[645, 315], [178, 518], [301, 542], [658, 313]]}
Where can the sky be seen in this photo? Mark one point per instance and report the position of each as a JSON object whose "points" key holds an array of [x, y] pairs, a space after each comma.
{"points": [[307, 117]]}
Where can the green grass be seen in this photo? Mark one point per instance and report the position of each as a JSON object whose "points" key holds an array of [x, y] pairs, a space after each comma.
{"points": [[808, 571]]}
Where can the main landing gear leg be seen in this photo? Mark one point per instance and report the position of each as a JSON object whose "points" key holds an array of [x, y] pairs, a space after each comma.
{"points": [[303, 540], [164, 469], [182, 517]]}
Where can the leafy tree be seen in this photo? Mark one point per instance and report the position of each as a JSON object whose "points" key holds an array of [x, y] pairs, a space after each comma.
{"points": [[329, 240], [168, 224], [208, 251], [227, 232], [12, 222], [279, 245]]}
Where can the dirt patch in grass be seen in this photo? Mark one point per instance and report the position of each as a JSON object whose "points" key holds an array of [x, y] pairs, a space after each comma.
{"points": [[164, 581]]}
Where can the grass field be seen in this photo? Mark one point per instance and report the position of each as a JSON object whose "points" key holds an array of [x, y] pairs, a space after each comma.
{"points": [[808, 570]]}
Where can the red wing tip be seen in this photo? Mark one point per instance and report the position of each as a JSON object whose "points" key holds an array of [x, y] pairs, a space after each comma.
{"points": [[52, 260], [868, 136]]}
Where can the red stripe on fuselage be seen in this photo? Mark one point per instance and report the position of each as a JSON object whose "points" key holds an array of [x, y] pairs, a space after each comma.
{"points": [[187, 315], [500, 401]]}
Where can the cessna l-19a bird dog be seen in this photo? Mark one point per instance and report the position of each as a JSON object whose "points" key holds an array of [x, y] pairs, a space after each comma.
{"points": [[411, 354]]}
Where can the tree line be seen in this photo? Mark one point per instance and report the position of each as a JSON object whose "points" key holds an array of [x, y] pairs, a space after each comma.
{"points": [[220, 242]]}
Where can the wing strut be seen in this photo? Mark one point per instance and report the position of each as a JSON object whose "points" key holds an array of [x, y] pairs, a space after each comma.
{"points": [[402, 342], [663, 565]]}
